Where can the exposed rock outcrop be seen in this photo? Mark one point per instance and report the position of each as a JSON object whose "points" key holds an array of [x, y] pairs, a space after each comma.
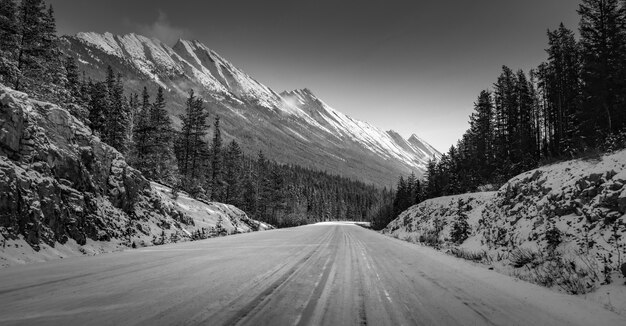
{"points": [[58, 181], [62, 190]]}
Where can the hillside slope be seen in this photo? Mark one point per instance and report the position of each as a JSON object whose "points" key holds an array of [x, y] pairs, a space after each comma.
{"points": [[63, 192], [574, 210], [292, 127]]}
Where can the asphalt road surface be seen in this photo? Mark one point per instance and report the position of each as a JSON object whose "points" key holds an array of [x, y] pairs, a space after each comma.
{"points": [[328, 274]]}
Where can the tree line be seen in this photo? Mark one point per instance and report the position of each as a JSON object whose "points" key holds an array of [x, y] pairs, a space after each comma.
{"points": [[30, 59], [572, 105]]}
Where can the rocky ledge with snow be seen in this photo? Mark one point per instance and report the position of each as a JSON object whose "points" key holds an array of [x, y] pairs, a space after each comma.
{"points": [[63, 192]]}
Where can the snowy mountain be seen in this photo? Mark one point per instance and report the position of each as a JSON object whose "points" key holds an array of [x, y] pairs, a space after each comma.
{"points": [[292, 127]]}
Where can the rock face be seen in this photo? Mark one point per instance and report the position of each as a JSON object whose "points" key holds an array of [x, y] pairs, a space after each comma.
{"points": [[585, 200], [63, 191], [60, 182]]}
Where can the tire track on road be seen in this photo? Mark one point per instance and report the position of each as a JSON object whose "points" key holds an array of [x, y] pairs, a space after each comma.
{"points": [[254, 306]]}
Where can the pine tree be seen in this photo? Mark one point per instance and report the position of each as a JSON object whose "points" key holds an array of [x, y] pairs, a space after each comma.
{"points": [[527, 153], [75, 101], [401, 201], [277, 194], [603, 40], [262, 187], [72, 81], [560, 80], [412, 187], [9, 40], [481, 135], [142, 135], [160, 141], [190, 145], [53, 73], [250, 196], [232, 175], [35, 33], [461, 229], [133, 111], [506, 110], [117, 123], [217, 180], [98, 106]]}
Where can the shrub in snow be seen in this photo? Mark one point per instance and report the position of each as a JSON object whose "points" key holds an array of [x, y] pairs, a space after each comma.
{"points": [[553, 237], [615, 142], [523, 256], [460, 229]]}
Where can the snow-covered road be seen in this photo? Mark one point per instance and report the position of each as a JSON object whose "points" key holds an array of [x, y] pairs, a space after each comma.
{"points": [[330, 274]]}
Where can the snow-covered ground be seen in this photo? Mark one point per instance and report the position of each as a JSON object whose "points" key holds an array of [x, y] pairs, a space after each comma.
{"points": [[207, 216], [583, 201], [211, 214]]}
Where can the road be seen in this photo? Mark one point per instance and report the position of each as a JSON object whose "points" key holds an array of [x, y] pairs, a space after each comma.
{"points": [[329, 274]]}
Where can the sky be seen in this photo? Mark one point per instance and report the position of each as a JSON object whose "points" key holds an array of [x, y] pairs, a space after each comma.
{"points": [[412, 66]]}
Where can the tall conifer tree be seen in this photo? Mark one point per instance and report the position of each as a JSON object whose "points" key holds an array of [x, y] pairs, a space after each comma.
{"points": [[603, 40], [9, 40]]}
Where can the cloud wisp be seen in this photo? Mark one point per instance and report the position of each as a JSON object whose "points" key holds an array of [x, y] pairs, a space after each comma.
{"points": [[163, 30]]}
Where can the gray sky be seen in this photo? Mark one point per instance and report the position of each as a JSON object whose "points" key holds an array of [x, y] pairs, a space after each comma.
{"points": [[412, 66]]}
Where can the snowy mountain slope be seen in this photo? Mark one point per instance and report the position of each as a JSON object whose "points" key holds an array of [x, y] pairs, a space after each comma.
{"points": [[292, 127], [387, 144]]}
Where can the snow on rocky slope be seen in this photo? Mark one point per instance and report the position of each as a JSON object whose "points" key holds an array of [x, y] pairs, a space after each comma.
{"points": [[386, 144], [63, 192], [210, 215], [292, 127], [585, 200]]}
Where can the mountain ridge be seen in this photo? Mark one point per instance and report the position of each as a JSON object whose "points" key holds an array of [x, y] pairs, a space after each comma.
{"points": [[294, 127]]}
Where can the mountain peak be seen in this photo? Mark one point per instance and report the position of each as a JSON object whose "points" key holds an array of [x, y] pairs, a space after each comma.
{"points": [[307, 91], [425, 147], [415, 137]]}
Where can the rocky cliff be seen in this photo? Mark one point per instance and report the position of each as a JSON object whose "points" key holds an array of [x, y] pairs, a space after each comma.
{"points": [[63, 191]]}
